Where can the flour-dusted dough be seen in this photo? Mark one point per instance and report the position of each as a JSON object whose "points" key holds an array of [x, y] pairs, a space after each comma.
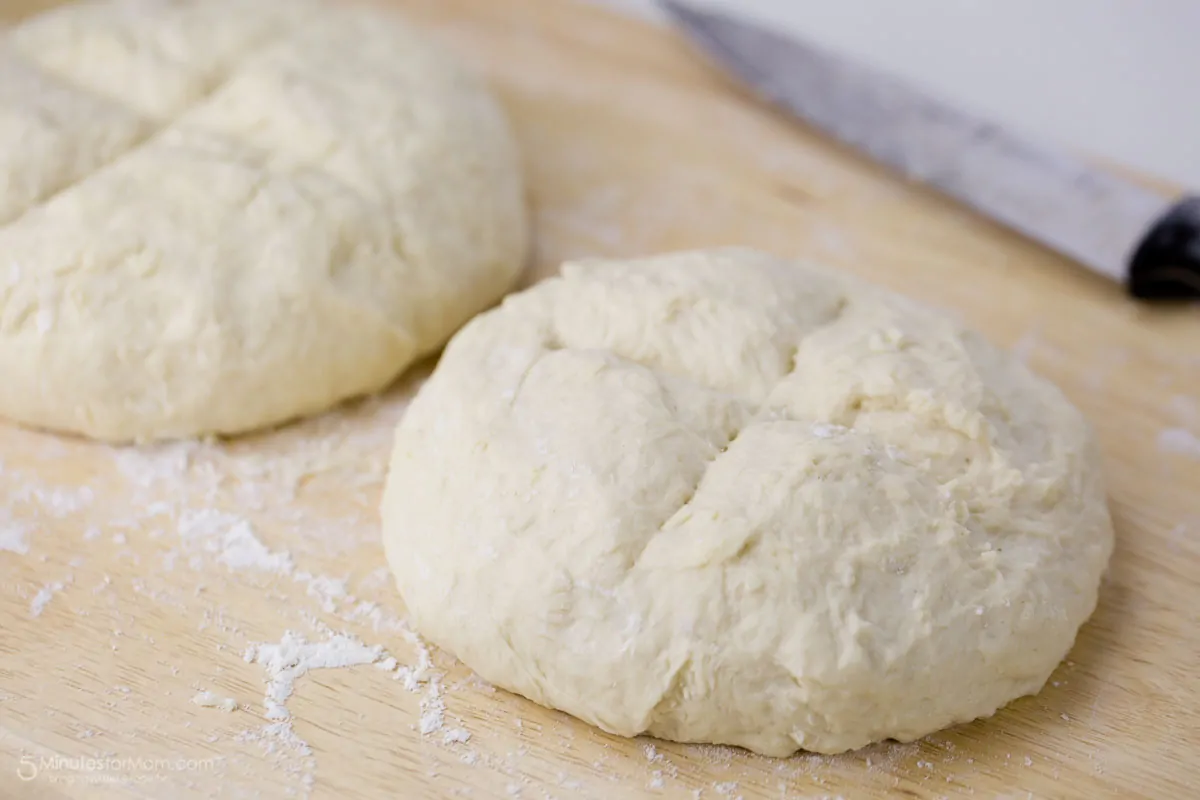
{"points": [[721, 497], [217, 215]]}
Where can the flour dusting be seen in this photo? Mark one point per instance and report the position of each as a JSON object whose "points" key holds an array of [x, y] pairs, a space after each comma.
{"points": [[1179, 441], [233, 540], [207, 699], [327, 591], [14, 535], [433, 709], [456, 736], [42, 598], [293, 657]]}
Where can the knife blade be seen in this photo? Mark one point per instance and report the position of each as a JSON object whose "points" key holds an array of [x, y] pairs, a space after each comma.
{"points": [[1110, 225]]}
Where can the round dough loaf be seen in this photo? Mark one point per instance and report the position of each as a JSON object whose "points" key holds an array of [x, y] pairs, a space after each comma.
{"points": [[217, 215], [721, 497]]}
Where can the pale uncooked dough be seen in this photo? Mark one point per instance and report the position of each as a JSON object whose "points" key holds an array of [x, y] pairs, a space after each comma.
{"points": [[721, 497], [217, 215]]}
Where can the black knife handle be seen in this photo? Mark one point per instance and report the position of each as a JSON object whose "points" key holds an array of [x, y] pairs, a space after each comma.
{"points": [[1166, 264]]}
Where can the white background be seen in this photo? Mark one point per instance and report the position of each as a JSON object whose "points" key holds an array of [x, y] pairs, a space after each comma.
{"points": [[1119, 79]]}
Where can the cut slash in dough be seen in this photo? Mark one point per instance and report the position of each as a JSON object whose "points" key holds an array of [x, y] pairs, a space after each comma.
{"points": [[218, 215], [721, 497]]}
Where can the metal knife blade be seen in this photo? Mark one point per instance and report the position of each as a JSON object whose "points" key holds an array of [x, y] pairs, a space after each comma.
{"points": [[1110, 225]]}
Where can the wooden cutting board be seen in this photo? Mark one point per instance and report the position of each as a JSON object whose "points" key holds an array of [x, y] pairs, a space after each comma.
{"points": [[131, 579]]}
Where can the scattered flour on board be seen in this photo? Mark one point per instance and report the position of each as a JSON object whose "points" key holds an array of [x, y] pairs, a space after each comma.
{"points": [[433, 708], [42, 598], [207, 699], [1179, 441], [414, 678], [285, 662], [54, 501], [14, 534], [293, 657], [327, 591], [47, 500], [280, 741], [232, 540], [456, 736]]}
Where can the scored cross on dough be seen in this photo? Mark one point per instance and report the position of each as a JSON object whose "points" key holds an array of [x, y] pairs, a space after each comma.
{"points": [[221, 215], [93, 81]]}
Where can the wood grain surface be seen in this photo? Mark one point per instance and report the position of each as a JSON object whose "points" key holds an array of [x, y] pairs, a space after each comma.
{"points": [[132, 578]]}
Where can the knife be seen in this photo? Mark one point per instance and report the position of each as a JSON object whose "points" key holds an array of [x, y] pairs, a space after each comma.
{"points": [[1112, 226]]}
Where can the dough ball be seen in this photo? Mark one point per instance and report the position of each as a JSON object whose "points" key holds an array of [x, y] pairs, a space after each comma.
{"points": [[722, 497], [218, 215]]}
